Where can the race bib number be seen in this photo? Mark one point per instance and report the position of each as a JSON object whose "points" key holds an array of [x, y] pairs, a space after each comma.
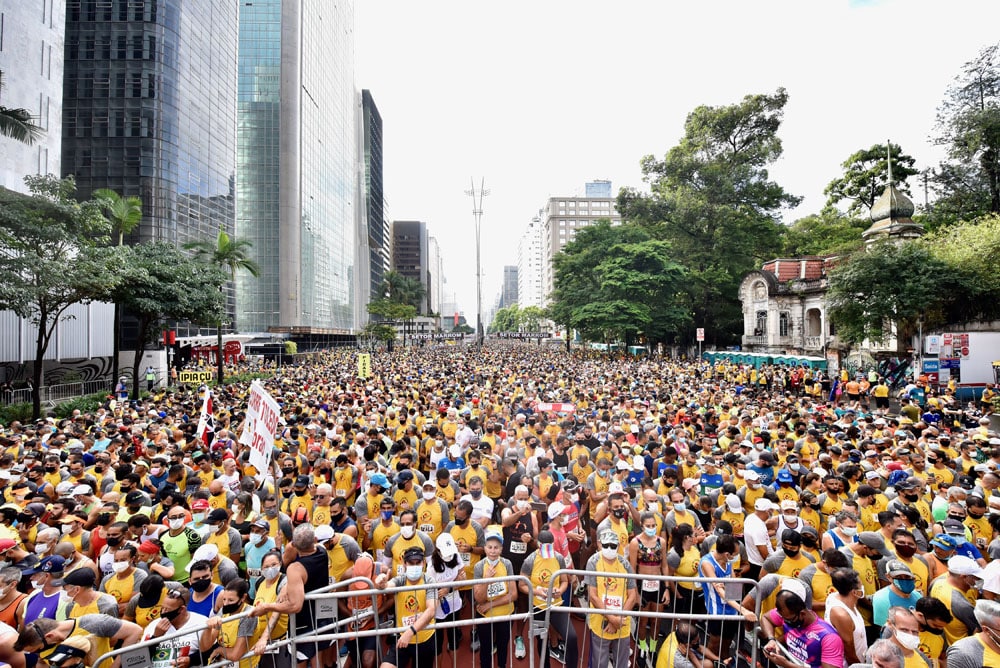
{"points": [[400, 570], [650, 585], [517, 547], [427, 528], [496, 589], [341, 493], [613, 602], [253, 572], [466, 557], [361, 616], [409, 621]]}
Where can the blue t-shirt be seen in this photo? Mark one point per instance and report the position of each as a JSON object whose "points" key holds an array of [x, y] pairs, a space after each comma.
{"points": [[205, 607], [449, 465], [886, 598], [255, 555]]}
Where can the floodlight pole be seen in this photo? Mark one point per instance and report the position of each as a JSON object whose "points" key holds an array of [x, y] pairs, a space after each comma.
{"points": [[477, 214]]}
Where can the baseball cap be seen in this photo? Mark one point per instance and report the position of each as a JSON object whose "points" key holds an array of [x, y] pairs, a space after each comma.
{"points": [[404, 477], [785, 476], [217, 515], [733, 503], [752, 476], [6, 544], [962, 565], [608, 538], [688, 483], [133, 498], [763, 505], [81, 577], [455, 451], [871, 475], [615, 488], [953, 528], [379, 479], [895, 567], [206, 552], [789, 504], [323, 533], [413, 554], [555, 509], [302, 480], [493, 531], [82, 489], [446, 546], [199, 505], [622, 465], [874, 540], [261, 523], [53, 564], [944, 541]]}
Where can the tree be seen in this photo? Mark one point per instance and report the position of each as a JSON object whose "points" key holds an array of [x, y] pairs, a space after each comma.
{"points": [[972, 248], [712, 200], [530, 318], [18, 124], [829, 232], [507, 319], [402, 289], [125, 214], [51, 259], [393, 312], [968, 124], [866, 176], [161, 282], [885, 289], [230, 255]]}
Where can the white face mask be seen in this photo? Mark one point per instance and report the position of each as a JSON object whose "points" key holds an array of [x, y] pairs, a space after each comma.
{"points": [[120, 566], [271, 572], [407, 531], [413, 572], [177, 523], [429, 496], [67, 528], [908, 640], [609, 553], [36, 585], [523, 505], [41, 548], [849, 531], [235, 509]]}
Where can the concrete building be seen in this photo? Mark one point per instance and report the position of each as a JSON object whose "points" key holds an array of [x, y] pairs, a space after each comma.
{"points": [[435, 276], [374, 199], [299, 180], [509, 287], [529, 264], [411, 253], [31, 62], [562, 217]]}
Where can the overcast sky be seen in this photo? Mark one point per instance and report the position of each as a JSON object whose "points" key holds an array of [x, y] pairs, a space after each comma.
{"points": [[540, 96]]}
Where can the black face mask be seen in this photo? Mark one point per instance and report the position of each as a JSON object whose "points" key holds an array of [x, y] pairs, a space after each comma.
{"points": [[287, 495], [798, 623], [301, 492], [113, 541], [791, 554], [231, 609], [958, 518], [201, 585], [808, 541], [288, 471], [103, 519], [338, 518], [618, 512], [976, 516], [906, 551], [461, 521], [911, 497], [170, 616], [51, 469]]}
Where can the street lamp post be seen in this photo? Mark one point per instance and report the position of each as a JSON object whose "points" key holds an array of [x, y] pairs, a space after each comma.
{"points": [[477, 214]]}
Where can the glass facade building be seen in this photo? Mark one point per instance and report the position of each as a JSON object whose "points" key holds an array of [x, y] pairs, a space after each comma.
{"points": [[149, 109], [378, 231], [298, 165]]}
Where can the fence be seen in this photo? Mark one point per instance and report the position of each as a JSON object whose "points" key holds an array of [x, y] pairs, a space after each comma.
{"points": [[332, 627], [55, 393]]}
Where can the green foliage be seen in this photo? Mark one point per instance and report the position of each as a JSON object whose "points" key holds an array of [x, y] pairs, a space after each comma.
{"points": [[227, 253], [246, 378], [18, 124], [713, 202], [617, 282], [19, 412], [400, 289], [291, 347], [85, 404], [829, 232], [464, 329], [52, 258], [972, 248], [379, 332], [889, 285], [125, 213], [514, 319], [968, 124], [866, 176], [391, 310]]}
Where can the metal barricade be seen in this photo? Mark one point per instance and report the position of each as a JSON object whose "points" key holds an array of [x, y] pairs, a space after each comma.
{"points": [[323, 634], [737, 584]]}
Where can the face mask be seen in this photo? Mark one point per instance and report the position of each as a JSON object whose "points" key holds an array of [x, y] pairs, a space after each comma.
{"points": [[797, 623], [475, 493], [407, 531], [791, 554], [51, 469], [679, 507], [67, 528], [198, 518], [523, 505], [958, 518], [177, 523], [740, 473], [230, 609], [201, 586], [300, 492], [649, 531], [795, 467], [235, 509], [808, 541], [155, 472], [618, 512], [429, 496], [260, 538], [170, 616], [975, 516], [288, 470], [908, 640], [906, 551], [120, 566], [609, 553], [414, 571], [849, 531], [270, 572], [103, 519], [905, 586], [41, 549], [602, 472], [546, 550], [36, 585]]}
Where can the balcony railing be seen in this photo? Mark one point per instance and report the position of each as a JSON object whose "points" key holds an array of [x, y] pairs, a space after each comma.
{"points": [[813, 343], [754, 340]]}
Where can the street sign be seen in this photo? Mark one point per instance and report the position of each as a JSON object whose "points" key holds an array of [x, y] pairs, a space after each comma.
{"points": [[198, 377], [699, 334], [932, 366]]}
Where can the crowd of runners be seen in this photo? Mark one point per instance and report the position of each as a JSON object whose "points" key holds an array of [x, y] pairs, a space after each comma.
{"points": [[837, 521]]}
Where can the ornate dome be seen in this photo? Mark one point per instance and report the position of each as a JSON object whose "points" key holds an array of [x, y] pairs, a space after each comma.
{"points": [[891, 217]]}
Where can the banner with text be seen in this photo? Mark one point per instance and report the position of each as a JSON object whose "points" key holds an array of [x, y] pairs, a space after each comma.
{"points": [[258, 429]]}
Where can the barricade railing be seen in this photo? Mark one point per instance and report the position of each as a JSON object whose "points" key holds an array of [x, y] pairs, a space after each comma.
{"points": [[327, 600], [736, 585]]}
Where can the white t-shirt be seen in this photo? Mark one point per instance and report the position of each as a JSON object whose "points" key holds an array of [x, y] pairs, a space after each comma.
{"points": [[482, 508], [755, 534], [166, 652]]}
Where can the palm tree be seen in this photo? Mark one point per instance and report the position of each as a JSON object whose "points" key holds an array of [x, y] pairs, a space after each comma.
{"points": [[18, 124], [230, 255], [125, 213]]}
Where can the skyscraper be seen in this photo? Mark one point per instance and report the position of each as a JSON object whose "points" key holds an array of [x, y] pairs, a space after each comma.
{"points": [[529, 265], [31, 62], [298, 176], [508, 291], [411, 254], [378, 231]]}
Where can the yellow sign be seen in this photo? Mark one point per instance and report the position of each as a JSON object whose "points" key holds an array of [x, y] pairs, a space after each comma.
{"points": [[198, 377], [364, 365]]}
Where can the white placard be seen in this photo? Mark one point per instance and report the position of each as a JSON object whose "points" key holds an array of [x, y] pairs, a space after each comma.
{"points": [[259, 426]]}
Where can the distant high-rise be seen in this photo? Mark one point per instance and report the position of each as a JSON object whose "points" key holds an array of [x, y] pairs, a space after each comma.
{"points": [[298, 157], [562, 217], [31, 62], [508, 291], [411, 254], [529, 265], [598, 189], [378, 230], [149, 109]]}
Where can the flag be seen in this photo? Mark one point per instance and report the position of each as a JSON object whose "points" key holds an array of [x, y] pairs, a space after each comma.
{"points": [[206, 423]]}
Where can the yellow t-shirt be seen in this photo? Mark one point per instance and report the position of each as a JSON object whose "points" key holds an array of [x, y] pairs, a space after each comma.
{"points": [[613, 592]]}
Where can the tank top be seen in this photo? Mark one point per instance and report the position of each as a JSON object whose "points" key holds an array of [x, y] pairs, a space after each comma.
{"points": [[409, 606], [860, 639], [40, 606], [7, 615], [206, 606], [176, 548], [651, 556], [513, 548], [714, 604], [838, 542], [317, 577]]}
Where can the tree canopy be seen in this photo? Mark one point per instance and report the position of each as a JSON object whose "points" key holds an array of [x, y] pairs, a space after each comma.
{"points": [[866, 176]]}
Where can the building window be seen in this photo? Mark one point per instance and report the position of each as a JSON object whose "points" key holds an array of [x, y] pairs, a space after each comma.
{"points": [[760, 328], [783, 323]]}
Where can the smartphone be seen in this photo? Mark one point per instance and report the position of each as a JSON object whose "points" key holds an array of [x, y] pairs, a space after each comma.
{"points": [[540, 507]]}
